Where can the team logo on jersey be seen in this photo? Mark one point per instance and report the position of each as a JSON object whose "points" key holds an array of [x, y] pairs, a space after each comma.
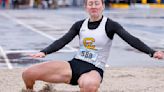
{"points": [[89, 43]]}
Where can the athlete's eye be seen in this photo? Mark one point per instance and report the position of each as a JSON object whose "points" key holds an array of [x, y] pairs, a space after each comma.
{"points": [[90, 4], [97, 3]]}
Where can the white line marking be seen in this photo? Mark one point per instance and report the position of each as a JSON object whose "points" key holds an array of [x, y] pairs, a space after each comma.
{"points": [[35, 30], [28, 51], [50, 26], [5, 58]]}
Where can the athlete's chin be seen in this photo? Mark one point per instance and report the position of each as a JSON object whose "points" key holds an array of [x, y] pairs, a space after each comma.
{"points": [[94, 15]]}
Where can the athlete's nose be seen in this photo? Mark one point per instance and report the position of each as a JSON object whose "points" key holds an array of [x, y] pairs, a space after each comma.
{"points": [[93, 5]]}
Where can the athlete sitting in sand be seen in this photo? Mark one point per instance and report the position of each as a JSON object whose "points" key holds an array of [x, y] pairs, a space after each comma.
{"points": [[87, 67]]}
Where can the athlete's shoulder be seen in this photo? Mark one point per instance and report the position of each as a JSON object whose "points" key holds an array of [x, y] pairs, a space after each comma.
{"points": [[113, 25], [111, 21]]}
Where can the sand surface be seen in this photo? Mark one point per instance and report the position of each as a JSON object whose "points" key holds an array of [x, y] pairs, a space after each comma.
{"points": [[115, 80]]}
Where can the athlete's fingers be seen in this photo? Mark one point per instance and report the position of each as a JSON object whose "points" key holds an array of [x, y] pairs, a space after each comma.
{"points": [[37, 55], [163, 55], [159, 55], [33, 55]]}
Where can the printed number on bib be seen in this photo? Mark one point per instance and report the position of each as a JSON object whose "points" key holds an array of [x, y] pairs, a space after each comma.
{"points": [[87, 55]]}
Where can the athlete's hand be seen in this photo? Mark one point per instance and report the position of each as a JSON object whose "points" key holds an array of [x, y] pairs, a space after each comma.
{"points": [[38, 55], [158, 55]]}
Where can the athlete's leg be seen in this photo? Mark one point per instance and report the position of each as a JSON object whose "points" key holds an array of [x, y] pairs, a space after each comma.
{"points": [[89, 82], [54, 72]]}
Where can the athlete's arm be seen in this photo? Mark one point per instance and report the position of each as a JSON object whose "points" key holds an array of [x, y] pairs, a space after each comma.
{"points": [[114, 27], [60, 43]]}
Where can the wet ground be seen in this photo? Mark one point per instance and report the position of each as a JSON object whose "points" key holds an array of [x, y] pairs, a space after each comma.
{"points": [[28, 31]]}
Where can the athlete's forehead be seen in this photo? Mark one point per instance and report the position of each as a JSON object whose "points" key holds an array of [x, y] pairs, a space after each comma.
{"points": [[93, 0]]}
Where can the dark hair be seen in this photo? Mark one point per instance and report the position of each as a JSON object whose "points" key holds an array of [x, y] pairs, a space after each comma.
{"points": [[85, 2]]}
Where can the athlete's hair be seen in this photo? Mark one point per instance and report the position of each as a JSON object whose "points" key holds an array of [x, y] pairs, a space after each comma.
{"points": [[85, 2]]}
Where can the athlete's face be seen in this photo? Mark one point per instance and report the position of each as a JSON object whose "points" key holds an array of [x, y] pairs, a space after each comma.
{"points": [[94, 7]]}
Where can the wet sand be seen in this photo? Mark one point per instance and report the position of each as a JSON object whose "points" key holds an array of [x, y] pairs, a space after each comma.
{"points": [[125, 79]]}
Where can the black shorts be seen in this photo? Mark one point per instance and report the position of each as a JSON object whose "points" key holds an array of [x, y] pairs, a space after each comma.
{"points": [[80, 67]]}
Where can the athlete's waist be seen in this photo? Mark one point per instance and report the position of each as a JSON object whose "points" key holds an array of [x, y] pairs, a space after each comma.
{"points": [[96, 63]]}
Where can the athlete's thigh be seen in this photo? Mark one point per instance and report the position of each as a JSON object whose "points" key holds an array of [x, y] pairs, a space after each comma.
{"points": [[90, 78], [52, 71]]}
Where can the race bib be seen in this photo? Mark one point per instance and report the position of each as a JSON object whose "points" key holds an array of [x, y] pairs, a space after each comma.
{"points": [[87, 55]]}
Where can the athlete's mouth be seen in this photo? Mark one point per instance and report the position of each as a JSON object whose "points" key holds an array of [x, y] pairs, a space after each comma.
{"points": [[93, 10]]}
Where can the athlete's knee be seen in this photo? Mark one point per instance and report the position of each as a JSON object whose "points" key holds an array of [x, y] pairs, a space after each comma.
{"points": [[28, 74], [89, 85], [28, 78]]}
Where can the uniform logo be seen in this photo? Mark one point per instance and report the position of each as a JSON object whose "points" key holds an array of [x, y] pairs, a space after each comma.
{"points": [[89, 43]]}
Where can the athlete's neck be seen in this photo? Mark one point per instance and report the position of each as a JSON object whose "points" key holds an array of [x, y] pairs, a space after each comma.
{"points": [[93, 19]]}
